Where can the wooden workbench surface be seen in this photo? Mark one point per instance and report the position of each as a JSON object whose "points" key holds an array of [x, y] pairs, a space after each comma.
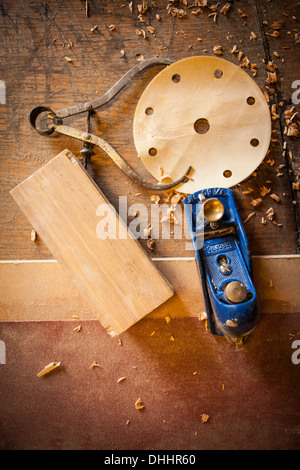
{"points": [[60, 53], [103, 44]]}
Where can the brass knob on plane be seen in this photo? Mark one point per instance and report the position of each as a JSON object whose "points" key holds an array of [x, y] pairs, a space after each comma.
{"points": [[236, 292], [213, 210]]}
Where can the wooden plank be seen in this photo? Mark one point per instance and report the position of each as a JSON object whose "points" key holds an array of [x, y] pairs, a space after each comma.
{"points": [[41, 291], [118, 280]]}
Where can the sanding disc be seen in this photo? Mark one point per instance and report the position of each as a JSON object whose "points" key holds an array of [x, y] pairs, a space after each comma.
{"points": [[205, 112]]}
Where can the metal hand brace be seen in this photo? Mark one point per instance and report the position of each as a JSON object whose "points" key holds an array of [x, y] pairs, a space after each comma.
{"points": [[90, 139]]}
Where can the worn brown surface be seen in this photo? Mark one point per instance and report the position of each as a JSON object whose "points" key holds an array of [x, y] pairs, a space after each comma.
{"points": [[251, 395], [35, 38]]}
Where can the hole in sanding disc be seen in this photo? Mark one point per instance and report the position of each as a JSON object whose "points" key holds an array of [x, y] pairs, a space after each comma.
{"points": [[152, 152], [201, 126], [254, 142], [227, 173], [251, 100], [218, 73], [149, 111], [176, 78]]}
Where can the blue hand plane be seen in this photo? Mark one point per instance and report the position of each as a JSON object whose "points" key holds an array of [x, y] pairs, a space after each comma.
{"points": [[224, 263]]}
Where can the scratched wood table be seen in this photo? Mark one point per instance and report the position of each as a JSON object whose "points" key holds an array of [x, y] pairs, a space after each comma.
{"points": [[58, 54]]}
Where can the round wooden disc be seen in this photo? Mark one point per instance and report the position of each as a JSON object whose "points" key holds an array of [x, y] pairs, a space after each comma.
{"points": [[205, 112]]}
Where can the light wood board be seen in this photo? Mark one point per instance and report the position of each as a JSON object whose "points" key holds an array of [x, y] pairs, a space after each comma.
{"points": [[117, 279], [39, 290]]}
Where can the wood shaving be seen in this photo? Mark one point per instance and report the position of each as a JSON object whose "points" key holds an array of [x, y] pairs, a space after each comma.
{"points": [[168, 319], [141, 32], [249, 217], [271, 77], [139, 404], [204, 418], [202, 316], [218, 50], [296, 186], [48, 368], [33, 235], [196, 12], [171, 338], [266, 95], [256, 202], [142, 8], [274, 114], [112, 27], [78, 328], [277, 24], [225, 8], [121, 379], [68, 59], [150, 244], [178, 12], [292, 131], [248, 191], [241, 13], [168, 194], [166, 177], [93, 365], [176, 198], [214, 16], [271, 66], [150, 29], [291, 128], [275, 197], [264, 191], [189, 178], [290, 114], [155, 198], [94, 28], [270, 213]]}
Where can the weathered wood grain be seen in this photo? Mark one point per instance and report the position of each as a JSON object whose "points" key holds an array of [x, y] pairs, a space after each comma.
{"points": [[36, 37]]}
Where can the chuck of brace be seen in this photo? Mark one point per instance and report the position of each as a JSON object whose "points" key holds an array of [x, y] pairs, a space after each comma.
{"points": [[87, 151]]}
